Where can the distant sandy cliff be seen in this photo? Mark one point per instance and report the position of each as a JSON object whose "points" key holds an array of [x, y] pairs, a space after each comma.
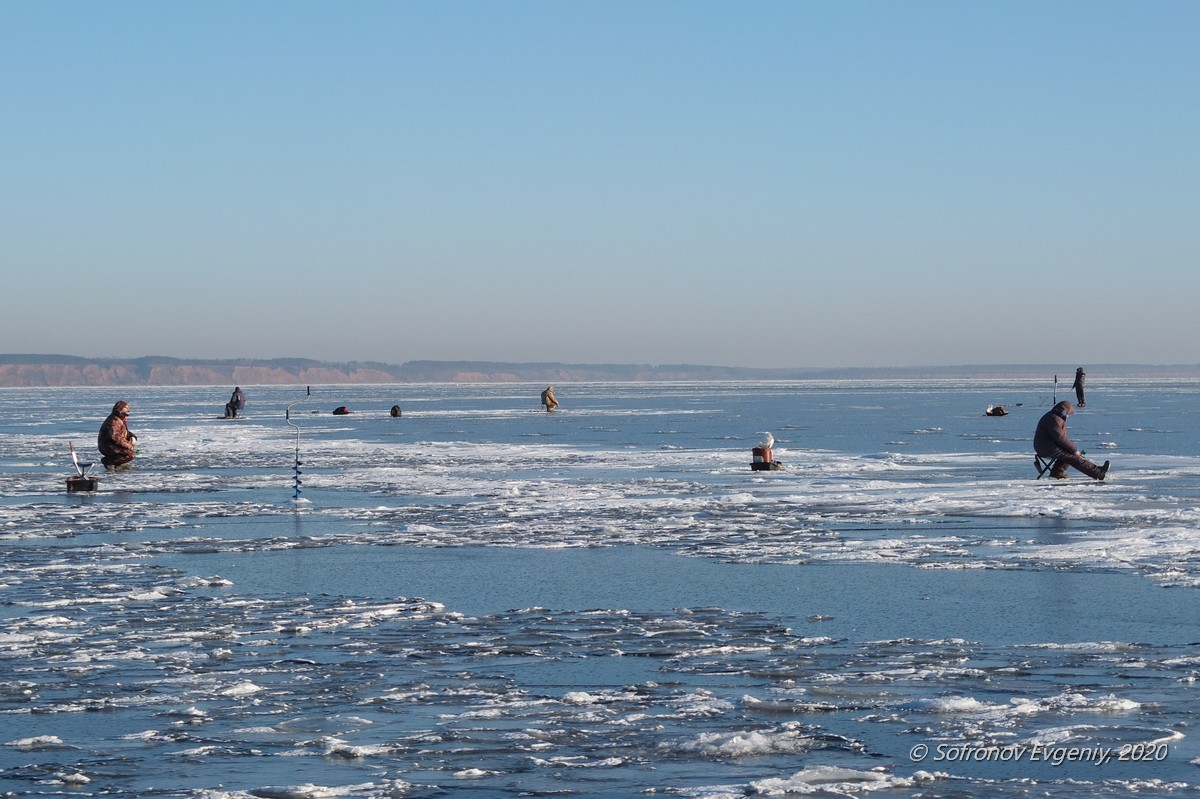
{"points": [[26, 371], [140, 373], [21, 371]]}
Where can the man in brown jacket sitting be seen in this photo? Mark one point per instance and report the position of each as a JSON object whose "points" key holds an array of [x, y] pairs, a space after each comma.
{"points": [[115, 442], [1050, 441]]}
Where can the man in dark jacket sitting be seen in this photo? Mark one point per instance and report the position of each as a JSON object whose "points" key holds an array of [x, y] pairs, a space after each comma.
{"points": [[1050, 441], [235, 404]]}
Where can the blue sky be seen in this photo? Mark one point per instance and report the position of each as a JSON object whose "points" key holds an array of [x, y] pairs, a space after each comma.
{"points": [[738, 183]]}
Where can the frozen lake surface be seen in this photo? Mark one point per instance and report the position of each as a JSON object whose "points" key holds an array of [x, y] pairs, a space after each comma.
{"points": [[482, 599]]}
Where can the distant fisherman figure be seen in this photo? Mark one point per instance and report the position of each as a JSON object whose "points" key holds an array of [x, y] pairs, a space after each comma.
{"points": [[235, 404], [548, 399], [1078, 386], [117, 445], [1050, 441]]}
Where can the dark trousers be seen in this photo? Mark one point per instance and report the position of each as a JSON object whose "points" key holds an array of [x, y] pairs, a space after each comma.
{"points": [[1077, 461]]}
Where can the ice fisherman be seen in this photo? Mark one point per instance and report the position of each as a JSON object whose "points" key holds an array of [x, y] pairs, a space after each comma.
{"points": [[1078, 386], [1050, 441], [548, 399], [117, 445], [235, 404]]}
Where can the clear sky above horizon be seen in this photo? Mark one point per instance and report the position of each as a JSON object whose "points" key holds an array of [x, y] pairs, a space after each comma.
{"points": [[754, 184]]}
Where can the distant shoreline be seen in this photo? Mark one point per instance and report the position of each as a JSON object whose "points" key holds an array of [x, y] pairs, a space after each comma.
{"points": [[32, 371]]}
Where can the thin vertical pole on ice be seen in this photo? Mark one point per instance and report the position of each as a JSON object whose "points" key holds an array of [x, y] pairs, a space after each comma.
{"points": [[287, 415]]}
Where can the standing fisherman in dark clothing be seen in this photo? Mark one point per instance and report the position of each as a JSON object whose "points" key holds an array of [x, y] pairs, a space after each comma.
{"points": [[1050, 441], [1078, 386], [235, 404]]}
